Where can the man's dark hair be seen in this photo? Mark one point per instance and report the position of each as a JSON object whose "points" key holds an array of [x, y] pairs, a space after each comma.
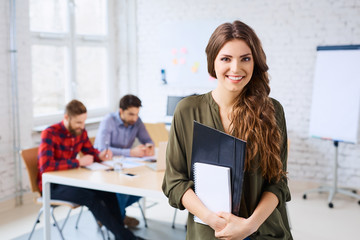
{"points": [[75, 108], [128, 101]]}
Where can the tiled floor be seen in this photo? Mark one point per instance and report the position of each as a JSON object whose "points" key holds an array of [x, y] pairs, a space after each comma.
{"points": [[311, 219]]}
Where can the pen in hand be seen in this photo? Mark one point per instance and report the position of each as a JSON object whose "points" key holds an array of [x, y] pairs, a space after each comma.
{"points": [[107, 148]]}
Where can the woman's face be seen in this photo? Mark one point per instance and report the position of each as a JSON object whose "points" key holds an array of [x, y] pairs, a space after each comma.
{"points": [[234, 65]]}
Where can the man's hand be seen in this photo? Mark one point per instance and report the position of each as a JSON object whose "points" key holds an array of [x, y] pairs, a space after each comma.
{"points": [[138, 151], [106, 155], [149, 151], [86, 160]]}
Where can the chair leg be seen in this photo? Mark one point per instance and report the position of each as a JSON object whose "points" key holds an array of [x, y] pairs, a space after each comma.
{"points": [[288, 216], [101, 232], [99, 227], [107, 233], [36, 222], [78, 218], [173, 222], [56, 224], [142, 213], [67, 217]]}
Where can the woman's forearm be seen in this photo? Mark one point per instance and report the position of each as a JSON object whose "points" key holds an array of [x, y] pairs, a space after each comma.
{"points": [[266, 206], [194, 205]]}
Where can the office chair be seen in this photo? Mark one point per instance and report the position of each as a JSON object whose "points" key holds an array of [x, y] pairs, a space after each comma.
{"points": [[157, 132], [174, 218], [30, 158]]}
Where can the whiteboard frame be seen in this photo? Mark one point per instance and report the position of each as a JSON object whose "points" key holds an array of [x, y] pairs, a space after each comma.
{"points": [[336, 94]]}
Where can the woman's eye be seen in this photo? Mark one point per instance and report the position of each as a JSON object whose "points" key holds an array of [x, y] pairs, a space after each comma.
{"points": [[225, 59], [246, 59]]}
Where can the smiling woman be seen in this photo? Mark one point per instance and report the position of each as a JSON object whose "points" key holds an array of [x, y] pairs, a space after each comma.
{"points": [[240, 105]]}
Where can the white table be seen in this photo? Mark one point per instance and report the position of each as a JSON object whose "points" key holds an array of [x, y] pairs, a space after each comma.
{"points": [[146, 183]]}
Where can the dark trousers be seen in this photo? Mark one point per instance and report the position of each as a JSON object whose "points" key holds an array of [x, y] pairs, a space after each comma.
{"points": [[103, 205], [124, 201]]}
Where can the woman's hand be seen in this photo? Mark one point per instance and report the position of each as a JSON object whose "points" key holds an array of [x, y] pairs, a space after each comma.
{"points": [[215, 221], [240, 228], [236, 227]]}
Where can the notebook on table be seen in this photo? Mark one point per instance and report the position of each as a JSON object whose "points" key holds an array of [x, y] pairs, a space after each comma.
{"points": [[213, 187], [212, 146], [160, 163]]}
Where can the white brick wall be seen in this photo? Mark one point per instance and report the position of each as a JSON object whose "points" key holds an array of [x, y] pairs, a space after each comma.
{"points": [[7, 165], [5, 134], [290, 32]]}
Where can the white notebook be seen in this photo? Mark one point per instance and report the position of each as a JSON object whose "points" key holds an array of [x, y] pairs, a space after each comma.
{"points": [[213, 187]]}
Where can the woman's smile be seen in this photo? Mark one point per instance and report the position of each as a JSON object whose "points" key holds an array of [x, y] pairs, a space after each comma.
{"points": [[234, 78]]}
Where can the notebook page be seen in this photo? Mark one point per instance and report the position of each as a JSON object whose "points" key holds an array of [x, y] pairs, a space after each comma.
{"points": [[213, 187]]}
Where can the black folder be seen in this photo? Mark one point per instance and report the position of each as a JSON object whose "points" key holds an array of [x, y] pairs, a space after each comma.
{"points": [[215, 147]]}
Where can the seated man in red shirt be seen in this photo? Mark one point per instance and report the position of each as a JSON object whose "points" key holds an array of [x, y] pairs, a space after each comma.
{"points": [[60, 145]]}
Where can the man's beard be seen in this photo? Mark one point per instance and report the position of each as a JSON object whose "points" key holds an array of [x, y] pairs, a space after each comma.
{"points": [[129, 123], [75, 132]]}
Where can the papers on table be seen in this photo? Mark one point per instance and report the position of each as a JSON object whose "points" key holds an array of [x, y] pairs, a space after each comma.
{"points": [[142, 159], [127, 162], [98, 166]]}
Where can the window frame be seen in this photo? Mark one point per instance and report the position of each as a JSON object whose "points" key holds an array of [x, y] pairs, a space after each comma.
{"points": [[71, 41]]}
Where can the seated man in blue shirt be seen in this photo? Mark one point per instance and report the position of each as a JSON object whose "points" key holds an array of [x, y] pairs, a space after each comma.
{"points": [[118, 132]]}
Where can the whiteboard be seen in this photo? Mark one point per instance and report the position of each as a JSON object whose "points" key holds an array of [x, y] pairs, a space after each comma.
{"points": [[336, 94], [182, 53]]}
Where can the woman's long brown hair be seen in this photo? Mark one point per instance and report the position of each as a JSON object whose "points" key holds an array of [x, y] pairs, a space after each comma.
{"points": [[253, 117]]}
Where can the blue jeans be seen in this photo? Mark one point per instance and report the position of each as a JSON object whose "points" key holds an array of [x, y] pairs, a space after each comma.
{"points": [[247, 238], [125, 201]]}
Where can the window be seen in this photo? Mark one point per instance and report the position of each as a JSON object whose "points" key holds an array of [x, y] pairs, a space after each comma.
{"points": [[70, 54]]}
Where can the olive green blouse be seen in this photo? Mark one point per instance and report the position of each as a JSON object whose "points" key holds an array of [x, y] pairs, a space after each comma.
{"points": [[204, 109]]}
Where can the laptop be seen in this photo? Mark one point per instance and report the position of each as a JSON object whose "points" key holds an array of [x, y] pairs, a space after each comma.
{"points": [[160, 163]]}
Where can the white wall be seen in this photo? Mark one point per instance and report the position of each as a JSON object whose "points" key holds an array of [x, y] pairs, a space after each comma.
{"points": [[7, 165], [290, 32]]}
